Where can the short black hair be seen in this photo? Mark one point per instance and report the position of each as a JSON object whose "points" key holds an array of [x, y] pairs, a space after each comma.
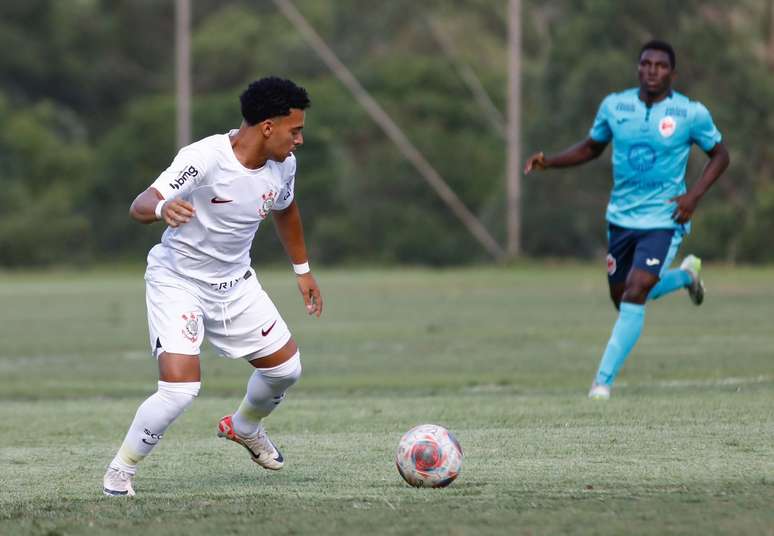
{"points": [[663, 46], [271, 97]]}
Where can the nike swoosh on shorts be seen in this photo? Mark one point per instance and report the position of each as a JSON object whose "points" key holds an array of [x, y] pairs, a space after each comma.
{"points": [[265, 332]]}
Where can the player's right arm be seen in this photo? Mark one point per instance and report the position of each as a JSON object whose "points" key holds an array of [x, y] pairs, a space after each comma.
{"points": [[174, 211], [599, 136], [165, 198], [580, 153]]}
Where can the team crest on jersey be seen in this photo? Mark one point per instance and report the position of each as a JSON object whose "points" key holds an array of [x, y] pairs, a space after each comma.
{"points": [[191, 326], [611, 264], [267, 202], [667, 126]]}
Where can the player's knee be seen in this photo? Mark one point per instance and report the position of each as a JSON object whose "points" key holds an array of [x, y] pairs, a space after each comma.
{"points": [[636, 294], [179, 394], [616, 293], [638, 286], [285, 375]]}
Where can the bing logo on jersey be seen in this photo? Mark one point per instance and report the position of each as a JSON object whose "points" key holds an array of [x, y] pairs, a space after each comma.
{"points": [[189, 173]]}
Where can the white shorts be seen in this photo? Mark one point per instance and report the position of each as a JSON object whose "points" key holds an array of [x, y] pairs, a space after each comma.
{"points": [[236, 316]]}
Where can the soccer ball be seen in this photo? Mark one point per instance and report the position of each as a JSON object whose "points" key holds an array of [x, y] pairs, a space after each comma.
{"points": [[429, 456]]}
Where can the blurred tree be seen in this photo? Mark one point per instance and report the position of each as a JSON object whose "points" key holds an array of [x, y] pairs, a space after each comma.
{"points": [[44, 168], [88, 119]]}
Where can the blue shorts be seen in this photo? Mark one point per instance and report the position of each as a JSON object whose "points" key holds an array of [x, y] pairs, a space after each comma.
{"points": [[652, 250]]}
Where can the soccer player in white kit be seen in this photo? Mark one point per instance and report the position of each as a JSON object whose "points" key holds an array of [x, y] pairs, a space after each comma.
{"points": [[199, 282]]}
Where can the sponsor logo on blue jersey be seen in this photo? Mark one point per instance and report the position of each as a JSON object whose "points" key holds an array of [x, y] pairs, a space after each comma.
{"points": [[677, 112], [642, 157]]}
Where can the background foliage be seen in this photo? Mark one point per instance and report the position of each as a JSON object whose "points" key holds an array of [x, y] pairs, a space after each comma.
{"points": [[87, 113]]}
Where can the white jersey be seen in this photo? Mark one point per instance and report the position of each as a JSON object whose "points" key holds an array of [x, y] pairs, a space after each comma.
{"points": [[230, 201]]}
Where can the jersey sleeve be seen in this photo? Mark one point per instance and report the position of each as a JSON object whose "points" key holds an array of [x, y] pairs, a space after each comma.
{"points": [[287, 193], [183, 174], [600, 130], [704, 133]]}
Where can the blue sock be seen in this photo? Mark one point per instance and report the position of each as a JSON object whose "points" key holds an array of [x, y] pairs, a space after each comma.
{"points": [[671, 280], [626, 331]]}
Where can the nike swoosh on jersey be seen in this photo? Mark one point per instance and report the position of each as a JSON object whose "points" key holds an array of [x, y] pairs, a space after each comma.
{"points": [[265, 332], [652, 262], [217, 200]]}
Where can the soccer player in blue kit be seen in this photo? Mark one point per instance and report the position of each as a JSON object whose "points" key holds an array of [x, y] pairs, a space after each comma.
{"points": [[652, 128]]}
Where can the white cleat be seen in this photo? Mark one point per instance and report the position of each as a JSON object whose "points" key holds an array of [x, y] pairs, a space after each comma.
{"points": [[261, 449], [117, 483], [599, 392], [692, 265]]}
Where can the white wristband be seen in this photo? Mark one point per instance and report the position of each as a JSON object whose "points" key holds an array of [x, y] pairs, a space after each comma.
{"points": [[158, 208], [302, 268]]}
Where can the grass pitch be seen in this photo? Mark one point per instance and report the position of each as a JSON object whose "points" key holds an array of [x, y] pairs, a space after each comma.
{"points": [[502, 357]]}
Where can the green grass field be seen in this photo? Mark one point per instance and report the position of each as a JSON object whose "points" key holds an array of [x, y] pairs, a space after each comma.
{"points": [[502, 357]]}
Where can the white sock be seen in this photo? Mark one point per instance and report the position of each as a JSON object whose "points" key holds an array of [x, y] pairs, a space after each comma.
{"points": [[265, 390], [152, 419]]}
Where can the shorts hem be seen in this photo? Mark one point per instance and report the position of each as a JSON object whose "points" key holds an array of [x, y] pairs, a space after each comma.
{"points": [[156, 352], [266, 350]]}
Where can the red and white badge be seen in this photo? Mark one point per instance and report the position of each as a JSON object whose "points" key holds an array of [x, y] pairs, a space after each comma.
{"points": [[667, 126], [611, 264]]}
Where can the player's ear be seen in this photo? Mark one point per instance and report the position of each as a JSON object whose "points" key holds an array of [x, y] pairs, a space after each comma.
{"points": [[266, 127]]}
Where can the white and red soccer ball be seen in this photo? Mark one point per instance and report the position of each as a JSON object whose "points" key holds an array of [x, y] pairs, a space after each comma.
{"points": [[429, 456]]}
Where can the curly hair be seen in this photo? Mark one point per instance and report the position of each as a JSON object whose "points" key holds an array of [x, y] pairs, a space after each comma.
{"points": [[271, 97], [663, 46]]}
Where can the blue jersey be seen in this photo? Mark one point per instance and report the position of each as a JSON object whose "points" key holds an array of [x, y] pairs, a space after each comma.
{"points": [[650, 153]]}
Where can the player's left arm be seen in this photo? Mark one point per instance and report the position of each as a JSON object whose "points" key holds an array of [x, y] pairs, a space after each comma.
{"points": [[291, 233], [716, 165], [706, 135]]}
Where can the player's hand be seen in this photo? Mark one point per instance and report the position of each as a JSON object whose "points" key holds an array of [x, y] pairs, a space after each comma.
{"points": [[311, 294], [536, 161], [177, 212], [686, 205]]}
